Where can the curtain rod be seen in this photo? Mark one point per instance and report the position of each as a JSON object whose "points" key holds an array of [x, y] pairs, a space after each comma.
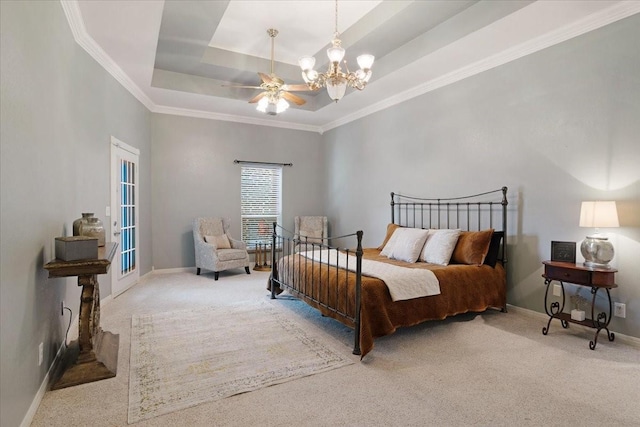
{"points": [[263, 163]]}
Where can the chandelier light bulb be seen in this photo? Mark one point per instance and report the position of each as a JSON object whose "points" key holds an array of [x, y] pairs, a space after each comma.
{"points": [[281, 106], [307, 63], [336, 52], [365, 61], [262, 104]]}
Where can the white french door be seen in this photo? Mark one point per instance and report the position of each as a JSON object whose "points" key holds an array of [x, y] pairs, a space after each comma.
{"points": [[125, 270]]}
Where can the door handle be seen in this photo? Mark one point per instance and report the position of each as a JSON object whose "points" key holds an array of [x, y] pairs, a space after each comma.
{"points": [[116, 232]]}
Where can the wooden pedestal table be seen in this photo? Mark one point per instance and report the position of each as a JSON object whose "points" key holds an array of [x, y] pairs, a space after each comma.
{"points": [[94, 356]]}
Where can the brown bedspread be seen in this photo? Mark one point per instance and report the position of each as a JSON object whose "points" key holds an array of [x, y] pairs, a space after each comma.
{"points": [[463, 288]]}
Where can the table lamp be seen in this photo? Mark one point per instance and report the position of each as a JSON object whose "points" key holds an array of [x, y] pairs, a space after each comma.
{"points": [[596, 248]]}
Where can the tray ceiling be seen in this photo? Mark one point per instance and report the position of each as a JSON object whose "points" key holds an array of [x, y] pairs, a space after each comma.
{"points": [[175, 56]]}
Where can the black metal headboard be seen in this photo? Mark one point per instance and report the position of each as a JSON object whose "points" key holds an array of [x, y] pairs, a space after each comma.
{"points": [[472, 213]]}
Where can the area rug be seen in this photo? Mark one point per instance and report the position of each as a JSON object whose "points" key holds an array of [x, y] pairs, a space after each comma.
{"points": [[186, 358]]}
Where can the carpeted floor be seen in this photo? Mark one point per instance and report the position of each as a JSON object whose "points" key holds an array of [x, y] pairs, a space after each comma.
{"points": [[185, 358], [488, 369]]}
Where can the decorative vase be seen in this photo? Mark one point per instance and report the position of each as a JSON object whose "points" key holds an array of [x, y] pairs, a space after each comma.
{"points": [[78, 222], [93, 228]]}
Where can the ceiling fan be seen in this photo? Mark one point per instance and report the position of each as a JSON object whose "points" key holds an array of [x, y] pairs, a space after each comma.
{"points": [[276, 93]]}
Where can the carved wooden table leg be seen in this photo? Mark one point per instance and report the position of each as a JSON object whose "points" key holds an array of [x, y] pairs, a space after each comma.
{"points": [[96, 351]]}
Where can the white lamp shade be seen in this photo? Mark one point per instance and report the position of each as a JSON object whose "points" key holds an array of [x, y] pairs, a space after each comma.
{"points": [[597, 214], [281, 106], [365, 61], [335, 54], [307, 63], [336, 91], [262, 104]]}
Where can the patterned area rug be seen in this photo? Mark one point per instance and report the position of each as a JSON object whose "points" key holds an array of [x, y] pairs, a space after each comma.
{"points": [[185, 358]]}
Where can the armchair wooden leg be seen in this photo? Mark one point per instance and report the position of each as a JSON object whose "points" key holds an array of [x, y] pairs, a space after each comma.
{"points": [[247, 270], [215, 275], [198, 271]]}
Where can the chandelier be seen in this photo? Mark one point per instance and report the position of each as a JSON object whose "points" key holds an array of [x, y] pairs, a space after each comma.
{"points": [[335, 80]]}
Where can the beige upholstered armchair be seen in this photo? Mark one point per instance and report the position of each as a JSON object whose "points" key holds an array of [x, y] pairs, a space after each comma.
{"points": [[215, 249], [310, 229]]}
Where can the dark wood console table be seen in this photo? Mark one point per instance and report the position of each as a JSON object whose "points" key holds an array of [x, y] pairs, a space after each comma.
{"points": [[595, 278], [94, 356]]}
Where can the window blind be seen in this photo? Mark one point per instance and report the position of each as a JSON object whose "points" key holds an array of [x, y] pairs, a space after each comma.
{"points": [[261, 202]]}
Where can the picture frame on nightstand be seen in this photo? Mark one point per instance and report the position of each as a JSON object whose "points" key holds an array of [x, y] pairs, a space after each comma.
{"points": [[563, 251]]}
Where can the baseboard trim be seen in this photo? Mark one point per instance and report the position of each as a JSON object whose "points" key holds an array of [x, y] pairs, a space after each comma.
{"points": [[173, 270], [625, 339], [31, 413], [72, 335]]}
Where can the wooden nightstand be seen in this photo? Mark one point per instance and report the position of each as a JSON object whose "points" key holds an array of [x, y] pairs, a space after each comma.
{"points": [[595, 278]]}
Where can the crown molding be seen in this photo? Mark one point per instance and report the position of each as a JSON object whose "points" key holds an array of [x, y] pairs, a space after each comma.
{"points": [[589, 23], [163, 109], [76, 23], [597, 20]]}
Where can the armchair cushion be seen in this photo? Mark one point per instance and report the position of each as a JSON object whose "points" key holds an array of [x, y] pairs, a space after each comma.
{"points": [[220, 242], [231, 254]]}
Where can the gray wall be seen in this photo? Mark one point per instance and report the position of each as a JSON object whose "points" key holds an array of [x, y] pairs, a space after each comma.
{"points": [[194, 175], [58, 110], [557, 127]]}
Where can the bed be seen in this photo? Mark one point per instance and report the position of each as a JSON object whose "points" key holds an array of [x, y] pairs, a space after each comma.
{"points": [[377, 290]]}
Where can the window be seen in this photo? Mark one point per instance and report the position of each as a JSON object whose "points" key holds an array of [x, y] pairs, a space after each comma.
{"points": [[261, 200]]}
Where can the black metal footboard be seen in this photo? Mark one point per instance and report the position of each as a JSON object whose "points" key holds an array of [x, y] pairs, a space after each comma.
{"points": [[303, 267]]}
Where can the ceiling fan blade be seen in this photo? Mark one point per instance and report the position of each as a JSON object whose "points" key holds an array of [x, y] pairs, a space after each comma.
{"points": [[293, 98], [242, 87], [265, 78], [257, 97], [296, 88]]}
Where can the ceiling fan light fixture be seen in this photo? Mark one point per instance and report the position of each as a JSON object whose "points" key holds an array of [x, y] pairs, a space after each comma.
{"points": [[281, 106], [275, 93], [334, 79], [262, 104], [272, 104]]}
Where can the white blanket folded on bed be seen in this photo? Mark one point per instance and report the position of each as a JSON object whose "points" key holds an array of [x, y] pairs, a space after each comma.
{"points": [[403, 283]]}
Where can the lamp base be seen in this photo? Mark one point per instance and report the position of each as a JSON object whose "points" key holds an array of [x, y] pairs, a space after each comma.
{"points": [[597, 252], [589, 264]]}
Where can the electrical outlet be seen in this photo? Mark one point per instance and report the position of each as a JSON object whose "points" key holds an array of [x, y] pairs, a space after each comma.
{"points": [[557, 290], [619, 309], [40, 353]]}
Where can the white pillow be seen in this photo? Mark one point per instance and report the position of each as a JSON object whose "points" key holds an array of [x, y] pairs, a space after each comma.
{"points": [[388, 247], [439, 247], [405, 244]]}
